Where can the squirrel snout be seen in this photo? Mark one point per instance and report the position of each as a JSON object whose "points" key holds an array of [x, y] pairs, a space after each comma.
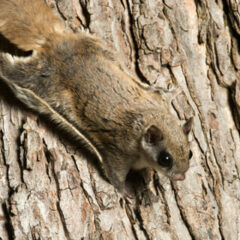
{"points": [[178, 176]]}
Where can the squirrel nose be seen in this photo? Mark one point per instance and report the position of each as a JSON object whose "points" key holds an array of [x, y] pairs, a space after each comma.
{"points": [[178, 177]]}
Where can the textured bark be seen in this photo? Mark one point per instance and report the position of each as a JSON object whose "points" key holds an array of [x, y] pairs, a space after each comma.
{"points": [[49, 190]]}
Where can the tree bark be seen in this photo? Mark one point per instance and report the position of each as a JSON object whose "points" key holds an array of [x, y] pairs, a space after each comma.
{"points": [[50, 190]]}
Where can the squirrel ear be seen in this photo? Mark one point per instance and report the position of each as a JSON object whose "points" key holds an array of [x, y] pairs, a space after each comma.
{"points": [[187, 127], [153, 135]]}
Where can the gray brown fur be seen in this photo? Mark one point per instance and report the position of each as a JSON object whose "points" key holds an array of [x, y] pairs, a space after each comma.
{"points": [[79, 83]]}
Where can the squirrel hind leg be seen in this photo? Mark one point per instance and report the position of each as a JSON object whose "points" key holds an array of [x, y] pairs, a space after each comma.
{"points": [[26, 23]]}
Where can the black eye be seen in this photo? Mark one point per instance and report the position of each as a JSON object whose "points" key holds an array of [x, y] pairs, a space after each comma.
{"points": [[190, 154], [165, 159]]}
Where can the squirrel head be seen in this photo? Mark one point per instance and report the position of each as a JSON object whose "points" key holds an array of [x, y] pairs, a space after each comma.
{"points": [[166, 149]]}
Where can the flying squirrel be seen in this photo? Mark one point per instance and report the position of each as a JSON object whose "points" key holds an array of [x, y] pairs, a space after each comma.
{"points": [[79, 84]]}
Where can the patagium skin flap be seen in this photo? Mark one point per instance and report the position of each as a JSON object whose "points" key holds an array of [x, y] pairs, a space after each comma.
{"points": [[79, 84]]}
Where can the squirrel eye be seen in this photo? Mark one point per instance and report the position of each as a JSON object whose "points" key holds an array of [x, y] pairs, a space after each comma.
{"points": [[190, 155], [165, 159]]}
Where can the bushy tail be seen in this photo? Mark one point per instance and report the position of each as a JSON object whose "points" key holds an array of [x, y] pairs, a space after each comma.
{"points": [[28, 23]]}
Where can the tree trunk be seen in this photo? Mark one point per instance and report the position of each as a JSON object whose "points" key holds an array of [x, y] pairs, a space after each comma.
{"points": [[50, 190]]}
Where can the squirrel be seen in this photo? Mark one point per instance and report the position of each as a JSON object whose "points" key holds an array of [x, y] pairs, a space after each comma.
{"points": [[79, 84]]}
